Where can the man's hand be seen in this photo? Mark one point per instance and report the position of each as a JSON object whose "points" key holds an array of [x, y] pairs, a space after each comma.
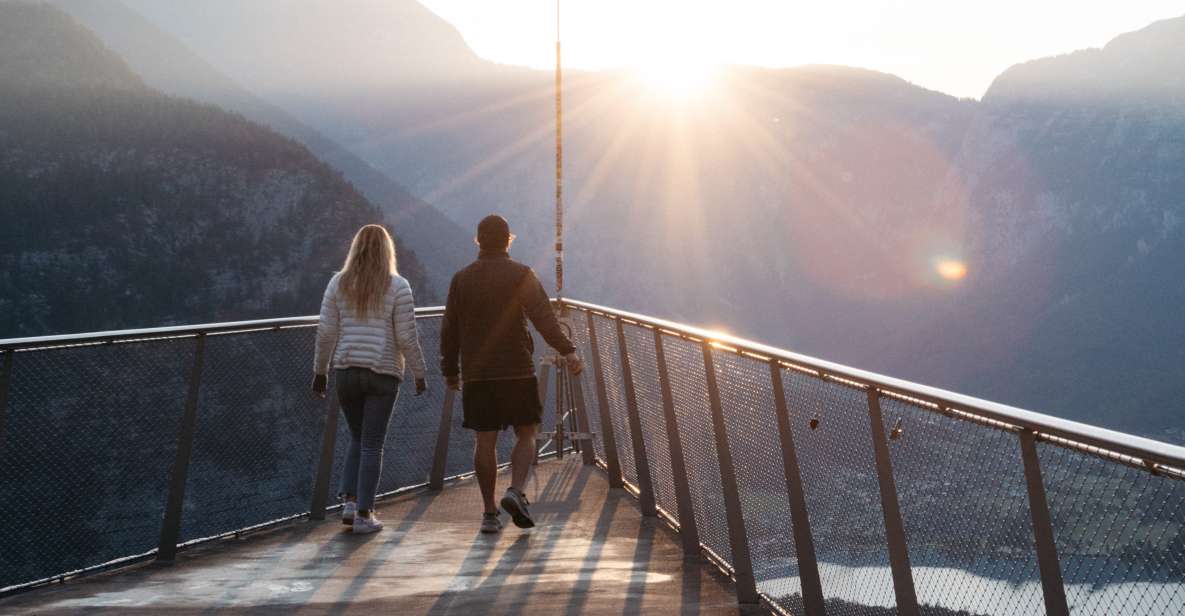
{"points": [[454, 382], [574, 363], [320, 384], [421, 386]]}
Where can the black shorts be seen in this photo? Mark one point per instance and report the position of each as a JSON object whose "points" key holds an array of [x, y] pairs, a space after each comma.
{"points": [[496, 405]]}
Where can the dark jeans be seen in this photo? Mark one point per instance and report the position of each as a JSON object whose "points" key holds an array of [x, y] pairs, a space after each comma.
{"points": [[367, 399]]}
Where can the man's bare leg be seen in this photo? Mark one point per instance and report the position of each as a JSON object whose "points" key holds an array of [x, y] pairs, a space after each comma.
{"points": [[523, 456], [485, 463]]}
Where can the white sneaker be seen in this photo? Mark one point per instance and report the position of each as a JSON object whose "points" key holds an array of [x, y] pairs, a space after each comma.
{"points": [[349, 510], [364, 526]]}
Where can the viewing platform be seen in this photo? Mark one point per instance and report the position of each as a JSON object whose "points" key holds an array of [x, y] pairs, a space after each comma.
{"points": [[188, 470]]}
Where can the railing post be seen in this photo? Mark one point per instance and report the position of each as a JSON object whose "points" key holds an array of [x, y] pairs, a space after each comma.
{"points": [[325, 462], [587, 452], [641, 462], [607, 438], [542, 374], [907, 600], [804, 544], [170, 531], [742, 563], [5, 379], [542, 378], [558, 392], [440, 458], [1047, 559], [688, 531]]}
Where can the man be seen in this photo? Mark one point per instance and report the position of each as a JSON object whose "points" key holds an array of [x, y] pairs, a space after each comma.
{"points": [[485, 327]]}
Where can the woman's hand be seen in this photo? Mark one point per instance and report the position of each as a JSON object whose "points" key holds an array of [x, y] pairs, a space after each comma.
{"points": [[320, 384], [421, 386]]}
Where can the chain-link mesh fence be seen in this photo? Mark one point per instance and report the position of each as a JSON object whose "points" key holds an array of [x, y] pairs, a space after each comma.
{"points": [[91, 432], [960, 485], [88, 442], [1120, 533], [615, 392], [582, 341], [548, 395], [842, 496], [746, 394], [685, 362], [258, 432], [415, 424], [644, 366]]}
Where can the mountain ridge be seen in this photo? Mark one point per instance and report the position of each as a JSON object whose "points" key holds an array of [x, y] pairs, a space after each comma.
{"points": [[127, 206], [813, 208], [1146, 65], [26, 64], [166, 64]]}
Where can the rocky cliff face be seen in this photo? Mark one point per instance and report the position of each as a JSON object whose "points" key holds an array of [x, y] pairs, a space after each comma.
{"points": [[126, 207]]}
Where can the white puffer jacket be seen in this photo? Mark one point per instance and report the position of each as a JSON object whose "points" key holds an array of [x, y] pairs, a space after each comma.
{"points": [[379, 342]]}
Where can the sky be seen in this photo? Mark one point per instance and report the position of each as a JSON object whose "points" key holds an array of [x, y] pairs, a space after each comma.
{"points": [[953, 46]]}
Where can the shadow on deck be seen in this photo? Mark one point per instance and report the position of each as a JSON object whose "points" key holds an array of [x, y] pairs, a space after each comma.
{"points": [[591, 553]]}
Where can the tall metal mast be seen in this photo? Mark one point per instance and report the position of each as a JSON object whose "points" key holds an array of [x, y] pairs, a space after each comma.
{"points": [[559, 164]]}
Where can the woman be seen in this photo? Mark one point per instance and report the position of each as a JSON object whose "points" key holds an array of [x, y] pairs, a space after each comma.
{"points": [[367, 328]]}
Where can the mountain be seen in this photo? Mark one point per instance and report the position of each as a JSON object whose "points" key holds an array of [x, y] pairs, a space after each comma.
{"points": [[816, 207], [1074, 174], [124, 207], [473, 137], [167, 65], [1139, 67], [772, 207], [327, 63]]}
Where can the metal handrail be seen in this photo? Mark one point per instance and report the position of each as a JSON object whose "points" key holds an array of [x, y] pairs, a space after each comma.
{"points": [[170, 541], [1147, 450], [1029, 427], [176, 331]]}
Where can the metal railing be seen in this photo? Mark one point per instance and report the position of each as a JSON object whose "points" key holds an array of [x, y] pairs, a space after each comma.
{"points": [[821, 488], [817, 487], [127, 445]]}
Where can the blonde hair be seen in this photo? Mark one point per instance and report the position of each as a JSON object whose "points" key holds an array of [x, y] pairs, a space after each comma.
{"points": [[366, 276]]}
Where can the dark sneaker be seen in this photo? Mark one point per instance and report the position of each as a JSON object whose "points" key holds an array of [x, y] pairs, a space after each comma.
{"points": [[490, 523], [515, 503]]}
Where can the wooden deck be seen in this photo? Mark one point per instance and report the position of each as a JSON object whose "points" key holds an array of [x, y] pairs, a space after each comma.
{"points": [[591, 553]]}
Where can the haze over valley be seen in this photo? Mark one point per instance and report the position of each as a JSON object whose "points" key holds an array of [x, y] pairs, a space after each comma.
{"points": [[1026, 247]]}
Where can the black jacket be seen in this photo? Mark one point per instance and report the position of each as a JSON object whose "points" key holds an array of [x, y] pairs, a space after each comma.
{"points": [[485, 321]]}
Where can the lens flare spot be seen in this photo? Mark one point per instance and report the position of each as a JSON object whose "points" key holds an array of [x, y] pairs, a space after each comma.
{"points": [[951, 269]]}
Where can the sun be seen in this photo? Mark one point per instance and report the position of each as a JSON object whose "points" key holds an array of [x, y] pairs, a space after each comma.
{"points": [[676, 75]]}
